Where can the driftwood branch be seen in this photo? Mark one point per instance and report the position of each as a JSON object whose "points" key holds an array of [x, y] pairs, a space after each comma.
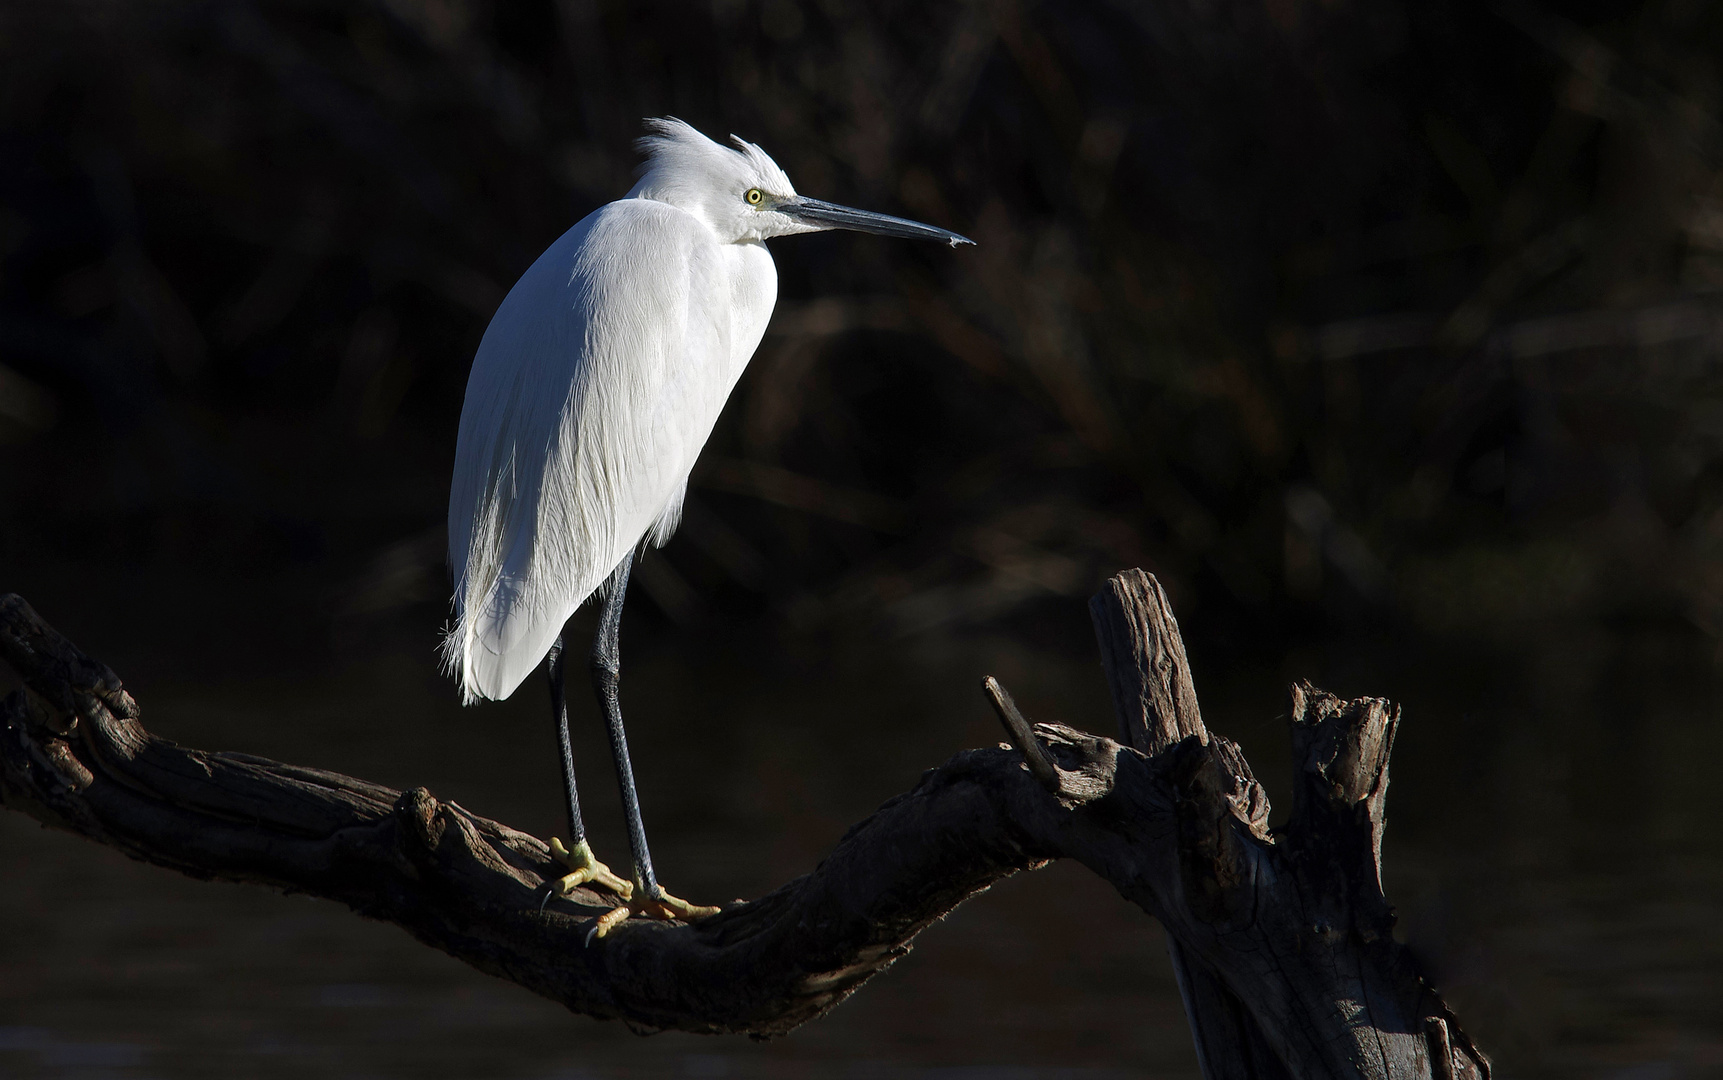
{"points": [[1282, 940]]}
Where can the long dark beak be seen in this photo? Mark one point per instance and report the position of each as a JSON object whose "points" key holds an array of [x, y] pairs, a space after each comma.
{"points": [[827, 215]]}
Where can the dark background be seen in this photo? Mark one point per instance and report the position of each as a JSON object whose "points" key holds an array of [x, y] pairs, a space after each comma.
{"points": [[1386, 334]]}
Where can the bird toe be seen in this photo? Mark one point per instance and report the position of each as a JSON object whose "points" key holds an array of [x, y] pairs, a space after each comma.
{"points": [[584, 869]]}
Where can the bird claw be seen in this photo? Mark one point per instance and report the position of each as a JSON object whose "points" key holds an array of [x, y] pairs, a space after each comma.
{"points": [[583, 870], [663, 906]]}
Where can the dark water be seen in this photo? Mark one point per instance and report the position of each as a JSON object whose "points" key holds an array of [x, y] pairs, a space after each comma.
{"points": [[1552, 848]]}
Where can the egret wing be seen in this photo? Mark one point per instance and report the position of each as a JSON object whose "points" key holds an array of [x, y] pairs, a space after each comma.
{"points": [[596, 384]]}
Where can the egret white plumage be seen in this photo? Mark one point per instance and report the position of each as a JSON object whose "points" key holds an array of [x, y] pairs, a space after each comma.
{"points": [[593, 390]]}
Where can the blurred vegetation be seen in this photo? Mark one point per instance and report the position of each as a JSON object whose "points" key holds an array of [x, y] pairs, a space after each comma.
{"points": [[1336, 315]]}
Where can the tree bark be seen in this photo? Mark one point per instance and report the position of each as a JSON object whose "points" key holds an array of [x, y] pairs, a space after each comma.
{"points": [[1282, 941]]}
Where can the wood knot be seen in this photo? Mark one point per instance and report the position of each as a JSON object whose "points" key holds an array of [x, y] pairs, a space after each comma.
{"points": [[422, 815], [41, 714]]}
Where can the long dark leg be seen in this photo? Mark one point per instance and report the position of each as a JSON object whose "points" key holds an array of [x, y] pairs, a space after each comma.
{"points": [[559, 709], [606, 674]]}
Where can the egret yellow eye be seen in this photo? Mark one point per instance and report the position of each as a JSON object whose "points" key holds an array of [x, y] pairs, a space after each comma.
{"points": [[755, 196]]}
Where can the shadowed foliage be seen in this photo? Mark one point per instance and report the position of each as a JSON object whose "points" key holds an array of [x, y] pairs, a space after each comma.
{"points": [[1331, 312]]}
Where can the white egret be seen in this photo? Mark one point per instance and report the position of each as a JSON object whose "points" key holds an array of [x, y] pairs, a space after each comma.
{"points": [[594, 388]]}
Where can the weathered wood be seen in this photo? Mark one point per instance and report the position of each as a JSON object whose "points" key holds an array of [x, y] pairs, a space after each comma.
{"points": [[1144, 658], [1155, 699], [1282, 942], [1281, 939]]}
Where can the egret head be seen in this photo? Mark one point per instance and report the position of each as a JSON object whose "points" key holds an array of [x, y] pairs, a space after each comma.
{"points": [[743, 195]]}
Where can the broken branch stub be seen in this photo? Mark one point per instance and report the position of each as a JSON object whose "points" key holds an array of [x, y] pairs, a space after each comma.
{"points": [[1021, 734], [1143, 656]]}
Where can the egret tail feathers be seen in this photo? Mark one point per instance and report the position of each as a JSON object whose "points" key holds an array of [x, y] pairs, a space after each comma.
{"points": [[496, 642]]}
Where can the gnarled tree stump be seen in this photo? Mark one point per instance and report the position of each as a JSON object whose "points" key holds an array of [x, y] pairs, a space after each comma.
{"points": [[1282, 939]]}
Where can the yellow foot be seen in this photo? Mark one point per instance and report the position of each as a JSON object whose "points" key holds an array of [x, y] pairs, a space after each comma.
{"points": [[583, 868], [664, 907]]}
